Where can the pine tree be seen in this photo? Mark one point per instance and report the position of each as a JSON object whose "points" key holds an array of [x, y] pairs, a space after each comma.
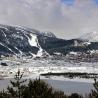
{"points": [[17, 85], [38, 89], [94, 93], [4, 94]]}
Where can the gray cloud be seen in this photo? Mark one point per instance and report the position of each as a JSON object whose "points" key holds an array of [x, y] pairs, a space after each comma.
{"points": [[51, 15]]}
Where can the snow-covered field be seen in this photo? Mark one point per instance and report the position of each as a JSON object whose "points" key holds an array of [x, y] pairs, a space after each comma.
{"points": [[33, 68]]}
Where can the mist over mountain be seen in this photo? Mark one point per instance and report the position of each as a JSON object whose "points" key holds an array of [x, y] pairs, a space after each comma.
{"points": [[91, 36]]}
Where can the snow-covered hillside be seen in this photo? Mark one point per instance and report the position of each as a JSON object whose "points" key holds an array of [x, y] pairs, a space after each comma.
{"points": [[21, 40], [17, 40], [26, 41]]}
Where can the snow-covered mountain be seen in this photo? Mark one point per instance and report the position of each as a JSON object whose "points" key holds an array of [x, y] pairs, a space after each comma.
{"points": [[19, 40], [26, 41]]}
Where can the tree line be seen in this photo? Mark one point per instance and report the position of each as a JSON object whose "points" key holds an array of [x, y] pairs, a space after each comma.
{"points": [[39, 89]]}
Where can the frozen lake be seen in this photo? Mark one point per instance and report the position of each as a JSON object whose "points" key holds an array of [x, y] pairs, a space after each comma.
{"points": [[72, 86], [67, 86]]}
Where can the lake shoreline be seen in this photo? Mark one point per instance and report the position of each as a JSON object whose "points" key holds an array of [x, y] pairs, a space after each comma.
{"points": [[81, 86]]}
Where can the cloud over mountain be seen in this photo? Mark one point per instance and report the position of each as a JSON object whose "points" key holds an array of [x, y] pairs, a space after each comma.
{"points": [[65, 19]]}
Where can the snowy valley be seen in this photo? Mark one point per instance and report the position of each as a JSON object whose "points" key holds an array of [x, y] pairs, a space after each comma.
{"points": [[34, 53]]}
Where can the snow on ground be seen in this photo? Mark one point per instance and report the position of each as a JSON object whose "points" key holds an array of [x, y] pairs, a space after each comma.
{"points": [[33, 40], [33, 68]]}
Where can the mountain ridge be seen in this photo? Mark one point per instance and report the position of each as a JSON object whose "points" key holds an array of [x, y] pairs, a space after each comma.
{"points": [[17, 40]]}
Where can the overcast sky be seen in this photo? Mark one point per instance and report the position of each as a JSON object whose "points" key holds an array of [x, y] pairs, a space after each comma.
{"points": [[65, 18]]}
